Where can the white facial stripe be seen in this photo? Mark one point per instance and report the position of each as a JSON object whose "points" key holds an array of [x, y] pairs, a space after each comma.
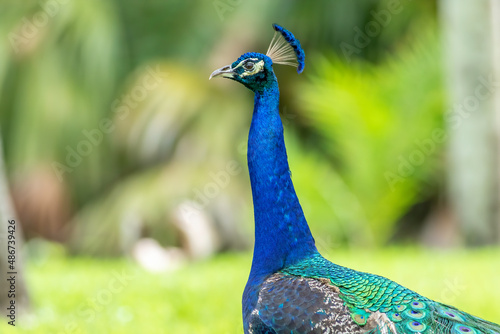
{"points": [[256, 69], [244, 61]]}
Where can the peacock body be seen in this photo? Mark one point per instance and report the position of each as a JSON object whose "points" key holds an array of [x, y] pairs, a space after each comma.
{"points": [[291, 287]]}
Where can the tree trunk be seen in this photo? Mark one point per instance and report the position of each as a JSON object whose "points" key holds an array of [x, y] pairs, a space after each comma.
{"points": [[473, 143], [7, 214], [495, 20]]}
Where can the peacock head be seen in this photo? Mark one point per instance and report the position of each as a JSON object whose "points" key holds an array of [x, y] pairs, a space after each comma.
{"points": [[255, 70]]}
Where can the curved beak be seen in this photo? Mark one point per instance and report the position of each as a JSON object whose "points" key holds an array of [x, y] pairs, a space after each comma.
{"points": [[225, 72]]}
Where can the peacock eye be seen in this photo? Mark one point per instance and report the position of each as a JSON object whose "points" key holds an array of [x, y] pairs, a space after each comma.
{"points": [[249, 66]]}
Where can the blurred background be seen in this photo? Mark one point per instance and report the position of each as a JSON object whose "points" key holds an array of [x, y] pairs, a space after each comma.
{"points": [[124, 168]]}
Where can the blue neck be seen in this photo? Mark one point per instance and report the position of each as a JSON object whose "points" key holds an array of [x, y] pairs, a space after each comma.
{"points": [[282, 236]]}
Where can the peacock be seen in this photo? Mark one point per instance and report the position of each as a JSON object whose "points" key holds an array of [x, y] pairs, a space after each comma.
{"points": [[292, 288]]}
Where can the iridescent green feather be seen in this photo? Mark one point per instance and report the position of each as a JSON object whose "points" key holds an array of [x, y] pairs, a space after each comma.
{"points": [[406, 311]]}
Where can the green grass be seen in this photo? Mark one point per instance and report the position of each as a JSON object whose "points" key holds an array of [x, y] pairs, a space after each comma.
{"points": [[81, 295]]}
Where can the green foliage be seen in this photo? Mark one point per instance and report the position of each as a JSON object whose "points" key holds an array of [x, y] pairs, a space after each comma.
{"points": [[67, 75], [168, 142], [206, 297], [60, 79], [373, 121], [334, 214]]}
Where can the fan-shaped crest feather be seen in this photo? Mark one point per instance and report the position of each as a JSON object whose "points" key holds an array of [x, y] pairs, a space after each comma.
{"points": [[285, 49]]}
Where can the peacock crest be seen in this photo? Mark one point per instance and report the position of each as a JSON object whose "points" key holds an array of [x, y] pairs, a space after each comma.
{"points": [[285, 49]]}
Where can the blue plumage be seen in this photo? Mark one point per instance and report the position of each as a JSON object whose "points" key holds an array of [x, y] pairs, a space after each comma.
{"points": [[291, 287]]}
